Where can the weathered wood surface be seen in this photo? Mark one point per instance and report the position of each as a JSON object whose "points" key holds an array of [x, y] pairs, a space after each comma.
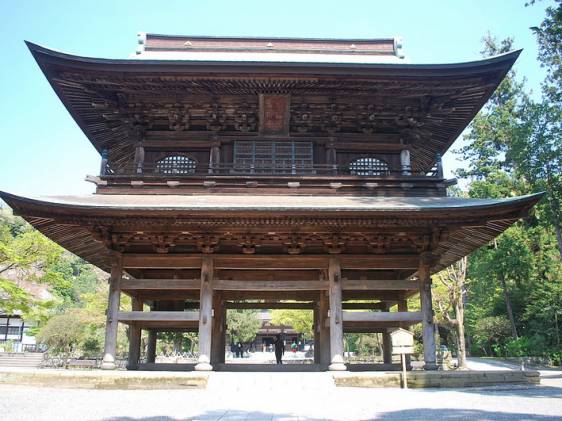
{"points": [[206, 314], [269, 262], [271, 305], [269, 285], [164, 316], [428, 325], [336, 318], [160, 284], [382, 316], [112, 322], [379, 285]]}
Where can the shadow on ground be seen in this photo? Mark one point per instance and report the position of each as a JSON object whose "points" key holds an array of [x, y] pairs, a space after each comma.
{"points": [[224, 416], [526, 391], [403, 415]]}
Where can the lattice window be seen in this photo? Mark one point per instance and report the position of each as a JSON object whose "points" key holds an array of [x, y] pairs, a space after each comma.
{"points": [[176, 165], [368, 166], [273, 157]]}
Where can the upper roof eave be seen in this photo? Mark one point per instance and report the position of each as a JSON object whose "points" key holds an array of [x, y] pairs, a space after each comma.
{"points": [[44, 56], [117, 204]]}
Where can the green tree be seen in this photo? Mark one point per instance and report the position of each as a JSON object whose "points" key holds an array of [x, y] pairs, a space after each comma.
{"points": [[242, 325], [302, 321]]}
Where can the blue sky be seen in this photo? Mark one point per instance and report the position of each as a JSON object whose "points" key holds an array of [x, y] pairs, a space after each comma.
{"points": [[42, 150]]}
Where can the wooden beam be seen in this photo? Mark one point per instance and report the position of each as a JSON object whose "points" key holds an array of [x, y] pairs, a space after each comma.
{"points": [[271, 305], [378, 285], [169, 295], [271, 295], [269, 262], [379, 261], [159, 284], [382, 316], [158, 261], [227, 285], [144, 316], [268, 275], [364, 306]]}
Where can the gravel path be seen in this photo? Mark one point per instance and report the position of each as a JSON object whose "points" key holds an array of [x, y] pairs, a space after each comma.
{"points": [[282, 396]]}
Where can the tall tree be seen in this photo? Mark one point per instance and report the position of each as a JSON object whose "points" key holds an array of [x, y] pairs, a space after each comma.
{"points": [[454, 279], [491, 130]]}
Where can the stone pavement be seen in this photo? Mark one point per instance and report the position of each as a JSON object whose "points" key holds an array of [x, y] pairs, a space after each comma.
{"points": [[282, 396]]}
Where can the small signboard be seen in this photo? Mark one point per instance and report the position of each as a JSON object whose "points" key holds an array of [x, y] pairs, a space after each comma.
{"points": [[402, 341]]}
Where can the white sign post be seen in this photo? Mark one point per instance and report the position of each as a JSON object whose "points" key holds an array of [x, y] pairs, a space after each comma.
{"points": [[402, 343]]}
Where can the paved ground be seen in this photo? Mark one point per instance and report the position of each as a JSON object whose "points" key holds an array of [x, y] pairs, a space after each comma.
{"points": [[282, 396]]}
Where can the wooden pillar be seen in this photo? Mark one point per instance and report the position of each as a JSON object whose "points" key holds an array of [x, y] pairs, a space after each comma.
{"points": [[324, 331], [108, 362], [403, 307], [405, 162], [217, 346], [205, 315], [387, 343], [151, 346], [215, 156], [427, 311], [139, 158], [223, 336], [134, 338], [336, 316], [316, 324]]}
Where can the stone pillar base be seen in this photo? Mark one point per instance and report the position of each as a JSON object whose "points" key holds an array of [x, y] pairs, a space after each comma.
{"points": [[430, 366], [203, 367], [108, 365], [337, 367]]}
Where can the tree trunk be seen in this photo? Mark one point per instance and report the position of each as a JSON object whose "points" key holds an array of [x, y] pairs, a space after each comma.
{"points": [[508, 308], [559, 239], [178, 343], [461, 345]]}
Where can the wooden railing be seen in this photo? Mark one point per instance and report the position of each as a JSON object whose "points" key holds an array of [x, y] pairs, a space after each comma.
{"points": [[277, 169]]}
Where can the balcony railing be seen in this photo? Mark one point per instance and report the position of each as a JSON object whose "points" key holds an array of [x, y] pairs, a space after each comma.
{"points": [[280, 169]]}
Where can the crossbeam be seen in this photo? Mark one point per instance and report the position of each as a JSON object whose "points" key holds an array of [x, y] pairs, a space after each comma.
{"points": [[271, 305], [382, 316], [227, 285], [379, 285], [269, 262], [161, 316], [159, 284]]}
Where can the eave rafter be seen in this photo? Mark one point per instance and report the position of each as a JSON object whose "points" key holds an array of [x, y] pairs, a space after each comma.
{"points": [[450, 233], [428, 106]]}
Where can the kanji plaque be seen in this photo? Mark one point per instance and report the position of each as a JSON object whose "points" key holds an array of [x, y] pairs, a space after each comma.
{"points": [[274, 114]]}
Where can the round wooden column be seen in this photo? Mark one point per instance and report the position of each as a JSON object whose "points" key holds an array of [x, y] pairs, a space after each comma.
{"points": [[205, 315], [151, 346], [108, 362], [427, 311], [336, 317], [134, 338]]}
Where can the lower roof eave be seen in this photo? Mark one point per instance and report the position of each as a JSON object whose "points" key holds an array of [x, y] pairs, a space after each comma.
{"points": [[68, 220]]}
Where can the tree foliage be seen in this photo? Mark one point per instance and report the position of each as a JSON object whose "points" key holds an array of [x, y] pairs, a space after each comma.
{"points": [[242, 325], [514, 148], [301, 321]]}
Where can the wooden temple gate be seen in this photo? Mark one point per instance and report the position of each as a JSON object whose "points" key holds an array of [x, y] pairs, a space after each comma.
{"points": [[316, 282], [237, 169]]}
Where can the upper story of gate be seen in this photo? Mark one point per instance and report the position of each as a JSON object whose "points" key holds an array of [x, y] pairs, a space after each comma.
{"points": [[270, 115]]}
